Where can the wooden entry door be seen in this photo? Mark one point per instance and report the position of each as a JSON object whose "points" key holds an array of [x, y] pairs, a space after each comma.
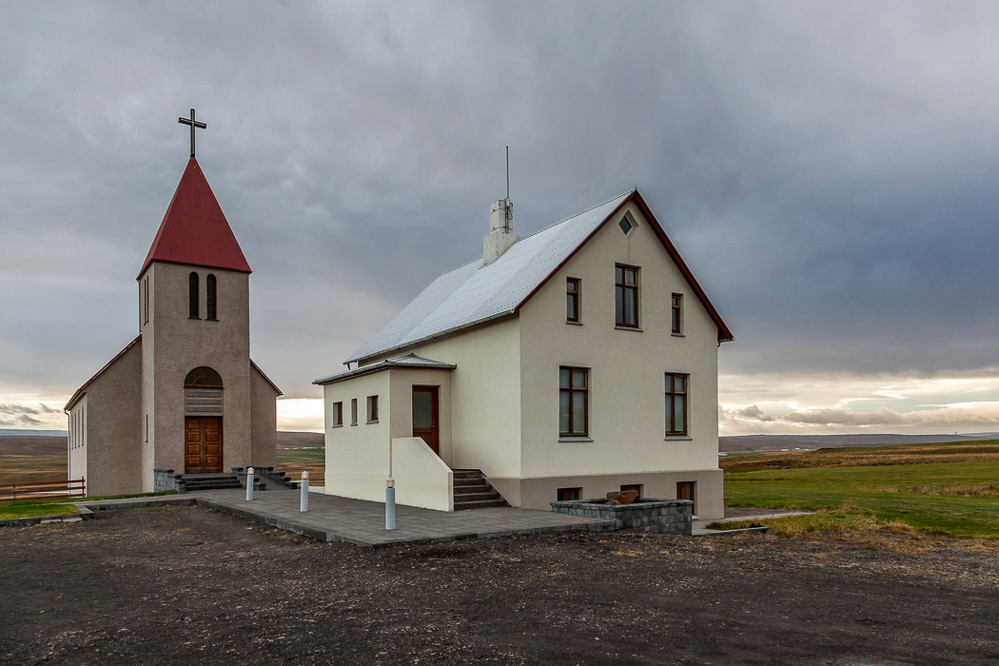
{"points": [[203, 444], [425, 416]]}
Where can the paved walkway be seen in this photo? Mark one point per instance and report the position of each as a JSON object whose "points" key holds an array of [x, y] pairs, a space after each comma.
{"points": [[332, 518]]}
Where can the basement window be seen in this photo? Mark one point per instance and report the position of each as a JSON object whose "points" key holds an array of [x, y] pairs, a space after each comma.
{"points": [[568, 494]]}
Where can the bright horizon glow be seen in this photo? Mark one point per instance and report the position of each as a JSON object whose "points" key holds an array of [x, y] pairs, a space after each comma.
{"points": [[748, 405]]}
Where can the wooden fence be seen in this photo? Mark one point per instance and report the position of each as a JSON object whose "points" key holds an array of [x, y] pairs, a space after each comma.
{"points": [[42, 490]]}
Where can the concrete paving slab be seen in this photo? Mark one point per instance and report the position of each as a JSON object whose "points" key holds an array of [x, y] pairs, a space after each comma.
{"points": [[333, 518]]}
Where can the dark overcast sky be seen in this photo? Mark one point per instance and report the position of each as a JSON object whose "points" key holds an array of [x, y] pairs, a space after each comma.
{"points": [[827, 170]]}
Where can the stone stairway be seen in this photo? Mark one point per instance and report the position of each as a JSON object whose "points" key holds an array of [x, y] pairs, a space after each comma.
{"points": [[189, 483], [472, 491]]}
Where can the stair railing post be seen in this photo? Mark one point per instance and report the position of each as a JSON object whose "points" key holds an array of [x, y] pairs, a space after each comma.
{"points": [[249, 484], [304, 501]]}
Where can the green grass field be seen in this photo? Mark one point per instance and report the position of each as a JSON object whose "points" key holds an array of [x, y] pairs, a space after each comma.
{"points": [[31, 508], [958, 499], [294, 461]]}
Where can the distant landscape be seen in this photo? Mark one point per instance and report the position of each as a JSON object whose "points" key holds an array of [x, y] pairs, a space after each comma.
{"points": [[40, 455], [28, 456], [781, 442]]}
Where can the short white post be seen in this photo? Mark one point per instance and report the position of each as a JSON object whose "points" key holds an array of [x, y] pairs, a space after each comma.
{"points": [[390, 503], [249, 484], [304, 503]]}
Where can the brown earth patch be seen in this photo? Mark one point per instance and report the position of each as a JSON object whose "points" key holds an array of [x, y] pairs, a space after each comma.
{"points": [[32, 459], [187, 585]]}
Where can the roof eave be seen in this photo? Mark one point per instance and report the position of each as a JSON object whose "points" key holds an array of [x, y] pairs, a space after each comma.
{"points": [[454, 329]]}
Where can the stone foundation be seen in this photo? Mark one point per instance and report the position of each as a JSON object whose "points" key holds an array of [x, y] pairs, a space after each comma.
{"points": [[165, 479], [669, 516]]}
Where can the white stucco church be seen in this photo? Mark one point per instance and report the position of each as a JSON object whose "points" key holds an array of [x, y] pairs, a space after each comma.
{"points": [[183, 396], [576, 361]]}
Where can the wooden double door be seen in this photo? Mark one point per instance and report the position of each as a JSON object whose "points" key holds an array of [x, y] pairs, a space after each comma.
{"points": [[203, 444]]}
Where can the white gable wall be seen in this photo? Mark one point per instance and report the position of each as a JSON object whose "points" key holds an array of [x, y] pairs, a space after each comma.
{"points": [[626, 371]]}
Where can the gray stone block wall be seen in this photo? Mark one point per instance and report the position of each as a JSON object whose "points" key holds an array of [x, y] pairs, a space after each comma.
{"points": [[646, 515], [165, 479]]}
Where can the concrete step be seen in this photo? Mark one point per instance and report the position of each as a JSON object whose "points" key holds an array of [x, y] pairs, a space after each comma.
{"points": [[487, 494], [480, 504], [473, 491], [467, 474]]}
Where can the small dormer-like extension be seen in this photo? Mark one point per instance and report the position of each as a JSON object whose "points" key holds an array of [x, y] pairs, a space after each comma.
{"points": [[501, 235]]}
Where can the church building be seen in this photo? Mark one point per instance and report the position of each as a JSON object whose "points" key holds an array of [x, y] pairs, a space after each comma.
{"points": [[184, 394], [579, 360]]}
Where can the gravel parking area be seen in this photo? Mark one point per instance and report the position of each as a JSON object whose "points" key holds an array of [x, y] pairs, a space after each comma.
{"points": [[188, 585]]}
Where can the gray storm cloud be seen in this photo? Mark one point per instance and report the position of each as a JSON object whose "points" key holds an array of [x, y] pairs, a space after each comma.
{"points": [[827, 170]]}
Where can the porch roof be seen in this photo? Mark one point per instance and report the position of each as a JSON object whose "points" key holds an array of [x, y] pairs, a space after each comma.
{"points": [[407, 361]]}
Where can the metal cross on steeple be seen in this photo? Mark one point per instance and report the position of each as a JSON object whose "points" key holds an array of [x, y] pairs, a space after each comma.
{"points": [[194, 124]]}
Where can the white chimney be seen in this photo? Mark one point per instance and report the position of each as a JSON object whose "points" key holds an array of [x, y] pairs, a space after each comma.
{"points": [[501, 235]]}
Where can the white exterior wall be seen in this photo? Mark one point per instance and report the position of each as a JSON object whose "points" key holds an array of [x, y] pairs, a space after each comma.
{"points": [[77, 445], [626, 373], [485, 396], [357, 456]]}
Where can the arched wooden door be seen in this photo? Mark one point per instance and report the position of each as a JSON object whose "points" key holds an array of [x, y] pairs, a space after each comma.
{"points": [[203, 422]]}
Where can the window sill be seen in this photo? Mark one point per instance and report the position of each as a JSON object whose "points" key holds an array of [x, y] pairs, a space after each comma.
{"points": [[678, 335], [566, 438], [370, 422], [574, 323], [353, 424], [678, 438], [633, 329], [338, 425]]}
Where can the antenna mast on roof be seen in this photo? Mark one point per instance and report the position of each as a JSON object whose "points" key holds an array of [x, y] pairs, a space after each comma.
{"points": [[508, 173], [509, 204]]}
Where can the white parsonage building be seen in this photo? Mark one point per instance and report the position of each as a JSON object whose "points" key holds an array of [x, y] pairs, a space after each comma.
{"points": [[578, 360]]}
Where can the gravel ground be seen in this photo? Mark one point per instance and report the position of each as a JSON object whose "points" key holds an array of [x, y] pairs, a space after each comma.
{"points": [[188, 585]]}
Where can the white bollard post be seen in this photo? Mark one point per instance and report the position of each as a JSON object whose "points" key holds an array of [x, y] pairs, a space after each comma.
{"points": [[390, 503], [249, 484], [304, 503]]}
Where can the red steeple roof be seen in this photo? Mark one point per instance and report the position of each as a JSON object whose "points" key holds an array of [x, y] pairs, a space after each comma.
{"points": [[194, 230]]}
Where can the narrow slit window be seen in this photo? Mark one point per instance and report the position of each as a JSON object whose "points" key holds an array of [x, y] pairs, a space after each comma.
{"points": [[677, 310], [372, 409], [210, 296], [336, 414], [353, 411], [194, 307], [572, 299]]}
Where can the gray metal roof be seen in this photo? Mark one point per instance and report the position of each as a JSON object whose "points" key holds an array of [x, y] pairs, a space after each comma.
{"points": [[407, 361], [475, 293]]}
